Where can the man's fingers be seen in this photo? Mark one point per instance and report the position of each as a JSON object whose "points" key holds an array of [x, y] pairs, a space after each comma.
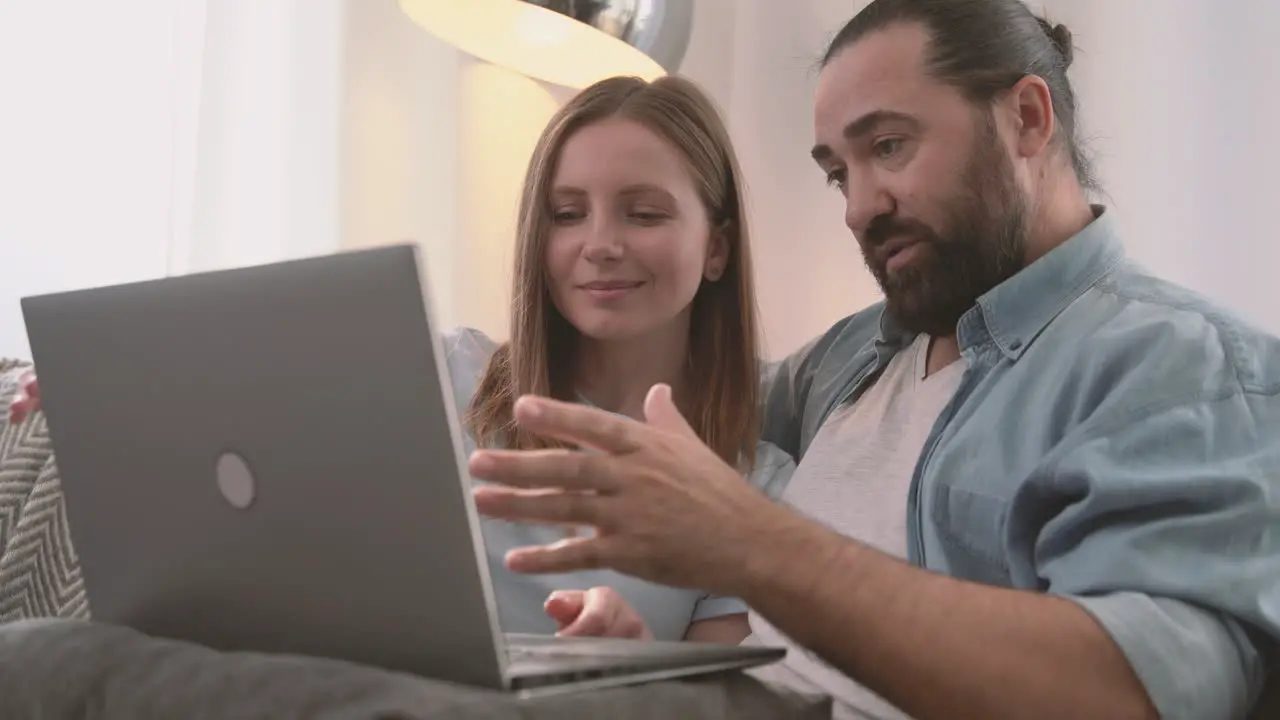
{"points": [[583, 553], [578, 424], [567, 469], [557, 508]]}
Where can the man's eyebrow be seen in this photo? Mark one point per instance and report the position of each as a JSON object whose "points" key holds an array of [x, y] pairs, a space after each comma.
{"points": [[874, 119], [865, 125]]}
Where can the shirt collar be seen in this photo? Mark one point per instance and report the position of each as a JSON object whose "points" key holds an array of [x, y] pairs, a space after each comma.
{"points": [[1015, 312]]}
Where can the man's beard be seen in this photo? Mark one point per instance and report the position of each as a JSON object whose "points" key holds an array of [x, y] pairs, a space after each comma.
{"points": [[981, 246]]}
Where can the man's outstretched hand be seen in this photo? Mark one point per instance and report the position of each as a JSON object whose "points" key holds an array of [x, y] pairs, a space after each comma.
{"points": [[665, 507]]}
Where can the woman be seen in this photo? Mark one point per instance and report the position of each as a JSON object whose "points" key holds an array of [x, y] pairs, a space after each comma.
{"points": [[632, 268]]}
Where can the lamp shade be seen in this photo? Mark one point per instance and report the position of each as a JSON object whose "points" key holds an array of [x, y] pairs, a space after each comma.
{"points": [[566, 42]]}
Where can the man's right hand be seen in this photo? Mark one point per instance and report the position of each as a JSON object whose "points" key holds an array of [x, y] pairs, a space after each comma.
{"points": [[26, 401], [598, 612]]}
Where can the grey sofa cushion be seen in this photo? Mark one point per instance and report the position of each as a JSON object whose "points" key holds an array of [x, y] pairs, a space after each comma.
{"points": [[77, 670]]}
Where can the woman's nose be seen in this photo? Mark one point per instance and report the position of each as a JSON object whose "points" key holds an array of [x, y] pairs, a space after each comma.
{"points": [[605, 242]]}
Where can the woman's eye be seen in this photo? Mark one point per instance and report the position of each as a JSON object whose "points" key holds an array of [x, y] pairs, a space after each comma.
{"points": [[648, 217], [566, 216]]}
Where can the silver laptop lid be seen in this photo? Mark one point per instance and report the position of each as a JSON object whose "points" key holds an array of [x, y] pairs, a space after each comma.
{"points": [[323, 382]]}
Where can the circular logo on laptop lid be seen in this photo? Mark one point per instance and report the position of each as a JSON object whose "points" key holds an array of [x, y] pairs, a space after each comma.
{"points": [[235, 481]]}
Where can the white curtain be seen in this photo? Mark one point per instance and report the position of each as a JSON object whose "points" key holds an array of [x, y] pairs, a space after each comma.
{"points": [[140, 138], [264, 151], [89, 139]]}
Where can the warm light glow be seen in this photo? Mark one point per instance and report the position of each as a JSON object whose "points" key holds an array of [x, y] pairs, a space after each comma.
{"points": [[531, 40], [502, 114]]}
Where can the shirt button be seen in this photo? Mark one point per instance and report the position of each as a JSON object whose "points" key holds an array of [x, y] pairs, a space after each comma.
{"points": [[1015, 345]]}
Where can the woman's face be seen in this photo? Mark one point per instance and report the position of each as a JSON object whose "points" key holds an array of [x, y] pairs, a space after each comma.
{"points": [[630, 240]]}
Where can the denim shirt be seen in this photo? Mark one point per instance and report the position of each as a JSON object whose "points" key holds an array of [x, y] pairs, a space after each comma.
{"points": [[1115, 440]]}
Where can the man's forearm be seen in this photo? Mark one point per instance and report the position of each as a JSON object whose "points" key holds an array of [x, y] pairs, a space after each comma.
{"points": [[935, 646]]}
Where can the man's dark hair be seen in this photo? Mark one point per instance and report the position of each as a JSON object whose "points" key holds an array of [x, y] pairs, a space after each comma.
{"points": [[984, 47]]}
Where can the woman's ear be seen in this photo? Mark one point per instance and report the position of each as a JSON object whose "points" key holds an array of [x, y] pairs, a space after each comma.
{"points": [[717, 253]]}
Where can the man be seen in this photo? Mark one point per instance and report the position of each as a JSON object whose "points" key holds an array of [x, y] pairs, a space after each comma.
{"points": [[1034, 482]]}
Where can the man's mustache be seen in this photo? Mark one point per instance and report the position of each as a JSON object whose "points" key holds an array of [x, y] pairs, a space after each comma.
{"points": [[884, 228]]}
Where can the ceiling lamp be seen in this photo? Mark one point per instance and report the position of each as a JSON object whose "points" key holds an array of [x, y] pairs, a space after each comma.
{"points": [[566, 42]]}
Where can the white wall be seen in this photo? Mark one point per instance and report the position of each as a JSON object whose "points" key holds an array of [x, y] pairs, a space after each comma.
{"points": [[1180, 99], [435, 146], [400, 127], [324, 124], [1176, 97], [809, 270]]}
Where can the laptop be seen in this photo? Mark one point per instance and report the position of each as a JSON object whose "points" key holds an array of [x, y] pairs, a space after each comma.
{"points": [[269, 459]]}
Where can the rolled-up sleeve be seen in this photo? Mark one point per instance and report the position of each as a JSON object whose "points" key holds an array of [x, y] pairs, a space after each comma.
{"points": [[1169, 536], [714, 606], [1194, 663]]}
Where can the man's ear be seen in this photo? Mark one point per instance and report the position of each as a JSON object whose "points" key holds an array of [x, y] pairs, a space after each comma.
{"points": [[1031, 108]]}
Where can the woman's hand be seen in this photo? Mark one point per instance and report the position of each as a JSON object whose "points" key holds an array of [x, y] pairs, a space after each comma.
{"points": [[598, 612], [26, 401]]}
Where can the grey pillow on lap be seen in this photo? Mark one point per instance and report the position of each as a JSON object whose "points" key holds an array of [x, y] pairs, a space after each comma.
{"points": [[55, 665], [69, 669]]}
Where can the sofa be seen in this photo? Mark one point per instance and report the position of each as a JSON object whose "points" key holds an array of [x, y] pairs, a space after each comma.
{"points": [[56, 663]]}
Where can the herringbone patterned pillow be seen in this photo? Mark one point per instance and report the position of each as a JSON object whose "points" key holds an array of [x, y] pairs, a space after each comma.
{"points": [[39, 571]]}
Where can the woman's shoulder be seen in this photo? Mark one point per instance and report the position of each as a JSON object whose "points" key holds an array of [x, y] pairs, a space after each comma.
{"points": [[468, 342], [466, 352], [772, 470]]}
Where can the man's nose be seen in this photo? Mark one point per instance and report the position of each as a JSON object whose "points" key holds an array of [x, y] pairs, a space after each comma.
{"points": [[864, 201]]}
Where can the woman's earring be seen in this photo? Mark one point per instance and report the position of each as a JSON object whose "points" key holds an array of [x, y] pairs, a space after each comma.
{"points": [[713, 273]]}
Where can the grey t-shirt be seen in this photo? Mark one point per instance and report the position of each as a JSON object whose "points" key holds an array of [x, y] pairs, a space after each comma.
{"points": [[667, 611], [854, 479]]}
